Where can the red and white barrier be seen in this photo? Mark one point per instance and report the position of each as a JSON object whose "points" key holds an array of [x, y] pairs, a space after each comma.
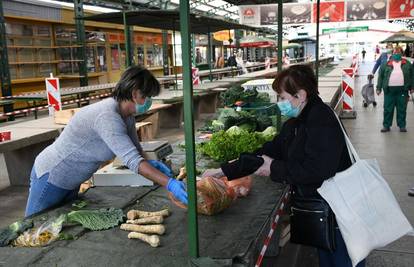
{"points": [[348, 86], [196, 76], [279, 212], [53, 94], [355, 64]]}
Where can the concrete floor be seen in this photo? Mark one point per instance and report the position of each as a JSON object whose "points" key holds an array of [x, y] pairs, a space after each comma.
{"points": [[394, 152]]}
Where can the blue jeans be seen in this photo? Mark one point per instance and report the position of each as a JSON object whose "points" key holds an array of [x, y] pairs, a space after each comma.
{"points": [[44, 195], [338, 258]]}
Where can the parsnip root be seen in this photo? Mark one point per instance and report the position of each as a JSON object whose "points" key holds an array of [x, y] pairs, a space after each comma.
{"points": [[135, 214], [147, 220], [182, 174], [147, 229], [153, 240]]}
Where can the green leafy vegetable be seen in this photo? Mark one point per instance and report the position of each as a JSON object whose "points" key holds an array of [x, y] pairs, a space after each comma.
{"points": [[234, 130], [11, 232], [97, 219], [226, 146], [269, 133], [238, 93]]}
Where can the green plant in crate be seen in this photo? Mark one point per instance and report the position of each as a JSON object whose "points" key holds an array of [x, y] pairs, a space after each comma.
{"points": [[228, 145], [238, 93]]}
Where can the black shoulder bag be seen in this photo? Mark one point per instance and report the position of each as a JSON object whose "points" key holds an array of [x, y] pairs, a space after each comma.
{"points": [[312, 223]]}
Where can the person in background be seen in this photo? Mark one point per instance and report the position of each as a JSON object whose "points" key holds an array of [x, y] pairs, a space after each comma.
{"points": [[309, 149], [97, 133], [199, 58], [377, 52], [219, 64], [407, 52], [383, 58], [363, 54], [395, 79]]}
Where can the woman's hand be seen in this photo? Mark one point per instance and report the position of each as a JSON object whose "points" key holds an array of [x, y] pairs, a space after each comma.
{"points": [[177, 188], [264, 170]]}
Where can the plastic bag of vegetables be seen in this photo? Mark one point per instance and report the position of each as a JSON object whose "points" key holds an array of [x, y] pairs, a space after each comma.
{"points": [[213, 196]]}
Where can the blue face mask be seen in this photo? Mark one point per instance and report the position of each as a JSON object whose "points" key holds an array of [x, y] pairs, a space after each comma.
{"points": [[287, 109], [141, 109]]}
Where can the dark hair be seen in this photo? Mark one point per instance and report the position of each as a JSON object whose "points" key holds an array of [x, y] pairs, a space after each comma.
{"points": [[295, 78], [136, 78]]}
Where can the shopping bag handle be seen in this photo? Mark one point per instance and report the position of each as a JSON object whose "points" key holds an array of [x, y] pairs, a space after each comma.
{"points": [[353, 155]]}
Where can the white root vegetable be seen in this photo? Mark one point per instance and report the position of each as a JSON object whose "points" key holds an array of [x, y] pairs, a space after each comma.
{"points": [[135, 214], [182, 174], [147, 229], [153, 240], [147, 220]]}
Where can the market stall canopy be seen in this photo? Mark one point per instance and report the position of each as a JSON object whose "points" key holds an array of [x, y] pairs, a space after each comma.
{"points": [[400, 37], [291, 45], [168, 20], [302, 40], [259, 41]]}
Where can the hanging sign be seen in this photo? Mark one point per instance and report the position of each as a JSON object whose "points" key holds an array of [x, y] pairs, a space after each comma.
{"points": [[330, 12], [366, 10], [399, 9]]}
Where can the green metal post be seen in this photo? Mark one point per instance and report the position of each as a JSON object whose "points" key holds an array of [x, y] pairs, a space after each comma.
{"points": [[128, 42], [189, 127], [81, 41], [209, 55], [318, 10], [165, 53], [166, 69], [193, 50], [175, 60], [279, 35], [6, 89]]}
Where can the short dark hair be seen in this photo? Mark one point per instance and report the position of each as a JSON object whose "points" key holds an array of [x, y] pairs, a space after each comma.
{"points": [[294, 78], [136, 78]]}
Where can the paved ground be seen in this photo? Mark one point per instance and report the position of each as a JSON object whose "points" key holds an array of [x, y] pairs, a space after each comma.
{"points": [[394, 151]]}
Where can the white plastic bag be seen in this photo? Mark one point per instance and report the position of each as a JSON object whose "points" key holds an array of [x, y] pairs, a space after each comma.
{"points": [[365, 208]]}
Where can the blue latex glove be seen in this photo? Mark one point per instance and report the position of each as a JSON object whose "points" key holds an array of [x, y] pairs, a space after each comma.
{"points": [[161, 167], [177, 188]]}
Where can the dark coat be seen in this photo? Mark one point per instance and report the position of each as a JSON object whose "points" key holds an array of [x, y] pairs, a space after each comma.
{"points": [[308, 150]]}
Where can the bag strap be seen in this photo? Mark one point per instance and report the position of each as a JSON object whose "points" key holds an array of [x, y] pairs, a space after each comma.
{"points": [[353, 155]]}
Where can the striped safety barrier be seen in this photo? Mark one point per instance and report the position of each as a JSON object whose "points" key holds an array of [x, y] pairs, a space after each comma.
{"points": [[348, 86], [275, 222]]}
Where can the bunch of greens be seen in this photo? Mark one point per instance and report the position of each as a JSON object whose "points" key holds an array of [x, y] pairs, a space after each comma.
{"points": [[228, 145], [238, 93]]}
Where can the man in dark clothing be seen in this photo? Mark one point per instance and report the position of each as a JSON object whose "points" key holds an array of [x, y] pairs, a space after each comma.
{"points": [[363, 54]]}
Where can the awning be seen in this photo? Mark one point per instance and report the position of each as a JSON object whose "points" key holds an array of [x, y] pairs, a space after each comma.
{"points": [[168, 20], [400, 37], [292, 45]]}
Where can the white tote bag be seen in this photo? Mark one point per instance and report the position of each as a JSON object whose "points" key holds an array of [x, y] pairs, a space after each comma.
{"points": [[365, 208]]}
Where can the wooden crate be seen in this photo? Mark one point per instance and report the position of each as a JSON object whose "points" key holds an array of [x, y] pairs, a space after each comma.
{"points": [[64, 116]]}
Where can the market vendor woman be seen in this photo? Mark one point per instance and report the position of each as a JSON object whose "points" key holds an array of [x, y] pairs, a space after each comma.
{"points": [[98, 133]]}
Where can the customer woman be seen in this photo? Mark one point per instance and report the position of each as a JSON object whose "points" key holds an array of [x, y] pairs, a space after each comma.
{"points": [[98, 133], [395, 78], [309, 149]]}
